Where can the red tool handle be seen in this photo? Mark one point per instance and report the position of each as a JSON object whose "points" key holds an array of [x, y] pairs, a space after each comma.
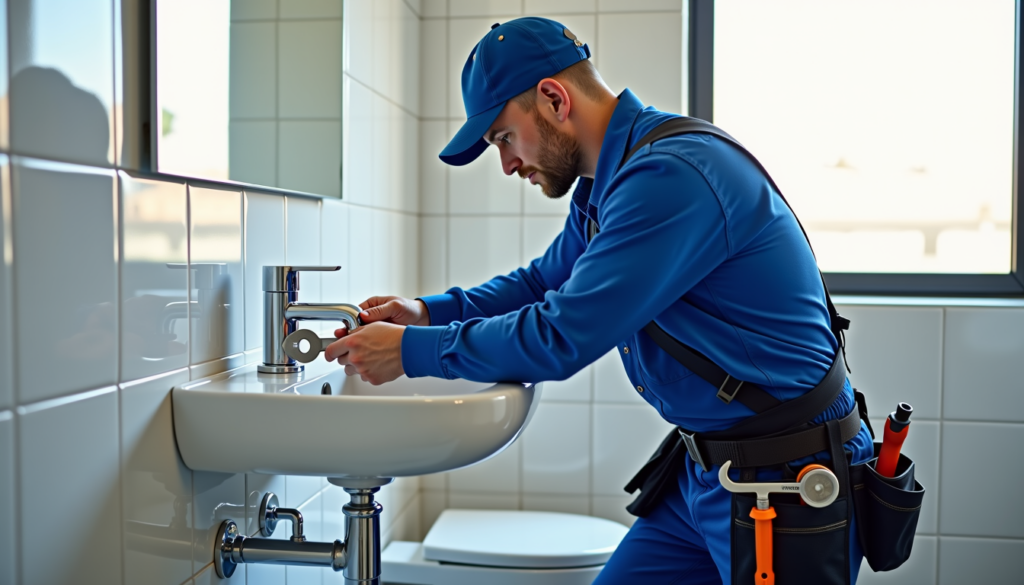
{"points": [[889, 455], [763, 545]]}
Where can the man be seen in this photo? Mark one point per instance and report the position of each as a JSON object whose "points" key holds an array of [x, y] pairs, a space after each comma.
{"points": [[693, 236]]}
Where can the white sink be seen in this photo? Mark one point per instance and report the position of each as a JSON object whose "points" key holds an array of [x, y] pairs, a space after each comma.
{"points": [[243, 421]]}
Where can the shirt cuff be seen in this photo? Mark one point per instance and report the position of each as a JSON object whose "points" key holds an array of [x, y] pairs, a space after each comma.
{"points": [[444, 308], [421, 352]]}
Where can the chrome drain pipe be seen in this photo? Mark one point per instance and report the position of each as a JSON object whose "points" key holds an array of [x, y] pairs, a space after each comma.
{"points": [[358, 557]]}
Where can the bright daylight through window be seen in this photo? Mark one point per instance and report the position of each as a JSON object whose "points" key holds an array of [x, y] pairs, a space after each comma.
{"points": [[888, 124]]}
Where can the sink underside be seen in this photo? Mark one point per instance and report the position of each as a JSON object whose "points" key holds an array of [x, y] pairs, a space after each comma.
{"points": [[243, 421]]}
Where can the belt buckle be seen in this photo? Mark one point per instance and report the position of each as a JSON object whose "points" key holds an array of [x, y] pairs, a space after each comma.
{"points": [[726, 396], [691, 448]]}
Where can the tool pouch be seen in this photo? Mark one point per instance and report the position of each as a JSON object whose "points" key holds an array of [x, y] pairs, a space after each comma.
{"points": [[810, 545], [887, 510]]}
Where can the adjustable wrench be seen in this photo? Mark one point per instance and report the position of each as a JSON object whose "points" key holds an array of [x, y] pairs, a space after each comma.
{"points": [[816, 484]]}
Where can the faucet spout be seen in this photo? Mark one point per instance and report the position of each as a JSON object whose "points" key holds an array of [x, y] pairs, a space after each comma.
{"points": [[348, 314]]}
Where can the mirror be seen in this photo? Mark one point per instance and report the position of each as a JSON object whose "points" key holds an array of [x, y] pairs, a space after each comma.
{"points": [[249, 91]]}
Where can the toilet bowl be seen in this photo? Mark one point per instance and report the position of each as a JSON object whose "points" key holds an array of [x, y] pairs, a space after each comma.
{"points": [[504, 547]]}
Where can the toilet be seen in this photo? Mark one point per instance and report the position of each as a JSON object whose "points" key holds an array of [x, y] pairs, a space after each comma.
{"points": [[504, 547]]}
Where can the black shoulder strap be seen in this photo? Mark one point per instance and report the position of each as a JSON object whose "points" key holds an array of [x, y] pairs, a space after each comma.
{"points": [[729, 389]]}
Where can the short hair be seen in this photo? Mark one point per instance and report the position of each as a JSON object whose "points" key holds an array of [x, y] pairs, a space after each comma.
{"points": [[582, 75]]}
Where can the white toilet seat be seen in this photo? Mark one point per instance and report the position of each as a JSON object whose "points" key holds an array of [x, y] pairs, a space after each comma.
{"points": [[474, 547], [521, 539]]}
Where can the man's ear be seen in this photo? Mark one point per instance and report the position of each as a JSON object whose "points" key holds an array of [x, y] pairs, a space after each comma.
{"points": [[554, 99]]}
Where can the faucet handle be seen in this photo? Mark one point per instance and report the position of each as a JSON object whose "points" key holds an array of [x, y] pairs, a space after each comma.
{"points": [[286, 278]]}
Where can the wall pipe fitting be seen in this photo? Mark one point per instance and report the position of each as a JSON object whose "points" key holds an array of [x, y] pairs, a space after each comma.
{"points": [[358, 556]]}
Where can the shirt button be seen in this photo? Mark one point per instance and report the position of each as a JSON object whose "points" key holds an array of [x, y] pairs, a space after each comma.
{"points": [[625, 350], [640, 389]]}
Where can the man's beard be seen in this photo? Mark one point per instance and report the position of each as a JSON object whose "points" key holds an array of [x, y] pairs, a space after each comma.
{"points": [[558, 156]]}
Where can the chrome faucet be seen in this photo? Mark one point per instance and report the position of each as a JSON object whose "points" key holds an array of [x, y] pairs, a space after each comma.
{"points": [[281, 313]]}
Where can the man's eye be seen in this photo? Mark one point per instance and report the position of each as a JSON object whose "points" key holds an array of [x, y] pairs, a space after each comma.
{"points": [[504, 138]]}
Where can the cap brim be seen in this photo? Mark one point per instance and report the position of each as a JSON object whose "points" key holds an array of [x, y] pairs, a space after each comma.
{"points": [[468, 143]]}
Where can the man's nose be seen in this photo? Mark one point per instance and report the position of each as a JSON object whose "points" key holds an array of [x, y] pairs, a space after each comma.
{"points": [[510, 164]]}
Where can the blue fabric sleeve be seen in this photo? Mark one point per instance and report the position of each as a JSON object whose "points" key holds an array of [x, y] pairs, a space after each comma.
{"points": [[662, 231]]}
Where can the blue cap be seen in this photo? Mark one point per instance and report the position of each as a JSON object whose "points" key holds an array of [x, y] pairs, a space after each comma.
{"points": [[509, 60]]}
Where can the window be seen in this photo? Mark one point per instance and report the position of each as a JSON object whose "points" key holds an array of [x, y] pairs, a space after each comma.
{"points": [[889, 125]]}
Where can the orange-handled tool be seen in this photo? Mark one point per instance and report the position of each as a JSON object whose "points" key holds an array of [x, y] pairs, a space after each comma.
{"points": [[895, 433], [817, 486]]}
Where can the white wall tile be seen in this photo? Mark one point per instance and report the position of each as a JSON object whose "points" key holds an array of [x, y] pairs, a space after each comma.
{"points": [[358, 146], [6, 298], [66, 302], [301, 489], [68, 473], [302, 243], [482, 186], [611, 383], [216, 497], [362, 269], [383, 45], [416, 6], [481, 248], [381, 148], [156, 486], [310, 8], [254, 10], [556, 450], [612, 508], [309, 156], [922, 446], [8, 552], [969, 507], [499, 474], [895, 354], [154, 296], [405, 266], [485, 8], [405, 58], [208, 576], [979, 560], [252, 151], [309, 80], [406, 525], [433, 255], [433, 8], [628, 39], [252, 86], [624, 437], [334, 251], [538, 233], [215, 266], [433, 502], [433, 172], [543, 7], [575, 504], [358, 39], [434, 69], [5, 121], [382, 252], [575, 389], [918, 570], [264, 246], [62, 80], [638, 5], [408, 165], [981, 380], [478, 501]]}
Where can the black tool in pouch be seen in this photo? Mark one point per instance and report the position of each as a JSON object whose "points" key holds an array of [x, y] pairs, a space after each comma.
{"points": [[811, 545]]}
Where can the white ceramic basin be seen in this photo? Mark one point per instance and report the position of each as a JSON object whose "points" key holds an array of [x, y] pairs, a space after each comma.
{"points": [[242, 421]]}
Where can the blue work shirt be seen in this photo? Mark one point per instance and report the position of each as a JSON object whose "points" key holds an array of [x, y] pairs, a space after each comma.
{"points": [[692, 236]]}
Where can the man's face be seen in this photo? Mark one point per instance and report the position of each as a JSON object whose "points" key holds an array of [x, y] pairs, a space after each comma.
{"points": [[535, 149]]}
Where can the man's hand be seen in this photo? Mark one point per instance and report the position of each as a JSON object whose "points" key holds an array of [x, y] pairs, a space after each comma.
{"points": [[395, 310], [373, 351]]}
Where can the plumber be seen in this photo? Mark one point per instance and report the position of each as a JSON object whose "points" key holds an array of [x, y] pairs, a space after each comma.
{"points": [[681, 251]]}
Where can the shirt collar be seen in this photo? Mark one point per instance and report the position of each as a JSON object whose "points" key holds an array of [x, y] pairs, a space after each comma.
{"points": [[613, 148]]}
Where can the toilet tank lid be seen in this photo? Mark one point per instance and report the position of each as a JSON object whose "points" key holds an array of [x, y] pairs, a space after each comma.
{"points": [[522, 539]]}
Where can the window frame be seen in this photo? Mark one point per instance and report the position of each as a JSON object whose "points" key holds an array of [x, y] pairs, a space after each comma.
{"points": [[699, 26]]}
